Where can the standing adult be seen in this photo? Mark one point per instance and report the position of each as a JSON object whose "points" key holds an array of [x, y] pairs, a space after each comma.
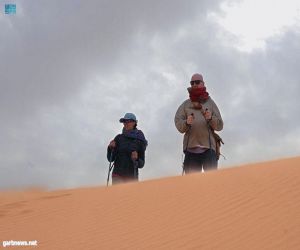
{"points": [[197, 118], [127, 151]]}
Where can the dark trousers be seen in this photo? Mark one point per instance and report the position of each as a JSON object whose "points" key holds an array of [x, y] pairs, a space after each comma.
{"points": [[117, 179], [198, 162]]}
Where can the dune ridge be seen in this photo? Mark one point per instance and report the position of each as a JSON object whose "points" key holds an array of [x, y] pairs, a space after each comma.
{"points": [[256, 206]]}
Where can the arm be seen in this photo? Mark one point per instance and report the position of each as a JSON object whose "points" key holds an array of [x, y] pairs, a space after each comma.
{"points": [[216, 121], [111, 150], [180, 119], [139, 157]]}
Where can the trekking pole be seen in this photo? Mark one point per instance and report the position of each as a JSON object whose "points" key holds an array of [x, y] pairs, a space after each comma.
{"points": [[110, 166], [208, 128], [183, 170], [135, 170], [209, 140], [187, 143]]}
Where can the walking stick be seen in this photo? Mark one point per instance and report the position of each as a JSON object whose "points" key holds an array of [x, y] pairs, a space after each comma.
{"points": [[187, 143], [110, 167], [209, 139], [135, 170]]}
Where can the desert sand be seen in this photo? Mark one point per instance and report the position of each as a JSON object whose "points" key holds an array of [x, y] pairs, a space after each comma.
{"points": [[255, 206]]}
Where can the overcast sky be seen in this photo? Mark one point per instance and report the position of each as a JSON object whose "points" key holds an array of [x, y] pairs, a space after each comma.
{"points": [[70, 69]]}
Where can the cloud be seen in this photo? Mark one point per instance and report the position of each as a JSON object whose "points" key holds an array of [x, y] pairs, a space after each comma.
{"points": [[70, 70]]}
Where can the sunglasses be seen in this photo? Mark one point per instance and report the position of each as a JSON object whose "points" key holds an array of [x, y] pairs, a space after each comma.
{"points": [[195, 82]]}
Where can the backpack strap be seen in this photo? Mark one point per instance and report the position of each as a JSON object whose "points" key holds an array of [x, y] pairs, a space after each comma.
{"points": [[218, 139]]}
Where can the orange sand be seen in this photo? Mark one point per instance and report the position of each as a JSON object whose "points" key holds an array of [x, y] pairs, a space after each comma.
{"points": [[250, 207]]}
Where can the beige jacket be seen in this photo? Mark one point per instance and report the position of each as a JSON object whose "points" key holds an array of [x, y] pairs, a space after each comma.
{"points": [[198, 133]]}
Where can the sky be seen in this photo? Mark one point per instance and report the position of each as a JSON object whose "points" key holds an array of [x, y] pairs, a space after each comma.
{"points": [[71, 69]]}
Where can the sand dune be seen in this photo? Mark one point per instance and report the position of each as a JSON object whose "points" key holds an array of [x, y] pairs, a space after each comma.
{"points": [[250, 207]]}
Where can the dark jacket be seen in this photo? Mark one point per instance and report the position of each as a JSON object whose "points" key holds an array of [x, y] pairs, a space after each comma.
{"points": [[126, 143]]}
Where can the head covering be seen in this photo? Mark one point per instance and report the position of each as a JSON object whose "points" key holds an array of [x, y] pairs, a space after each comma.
{"points": [[196, 77], [128, 116]]}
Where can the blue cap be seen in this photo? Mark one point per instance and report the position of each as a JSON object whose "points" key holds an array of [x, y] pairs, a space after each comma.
{"points": [[128, 116]]}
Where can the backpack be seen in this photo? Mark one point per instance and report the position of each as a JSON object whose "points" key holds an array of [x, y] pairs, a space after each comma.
{"points": [[219, 141]]}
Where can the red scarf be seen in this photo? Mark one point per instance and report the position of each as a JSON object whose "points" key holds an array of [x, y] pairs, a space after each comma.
{"points": [[198, 94]]}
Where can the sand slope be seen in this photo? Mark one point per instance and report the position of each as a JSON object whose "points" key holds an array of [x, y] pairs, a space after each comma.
{"points": [[250, 207]]}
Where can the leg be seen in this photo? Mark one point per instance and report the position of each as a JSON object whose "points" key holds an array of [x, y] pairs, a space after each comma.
{"points": [[210, 160], [117, 179], [192, 163]]}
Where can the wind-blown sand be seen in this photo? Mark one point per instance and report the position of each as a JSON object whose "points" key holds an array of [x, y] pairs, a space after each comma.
{"points": [[250, 207]]}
